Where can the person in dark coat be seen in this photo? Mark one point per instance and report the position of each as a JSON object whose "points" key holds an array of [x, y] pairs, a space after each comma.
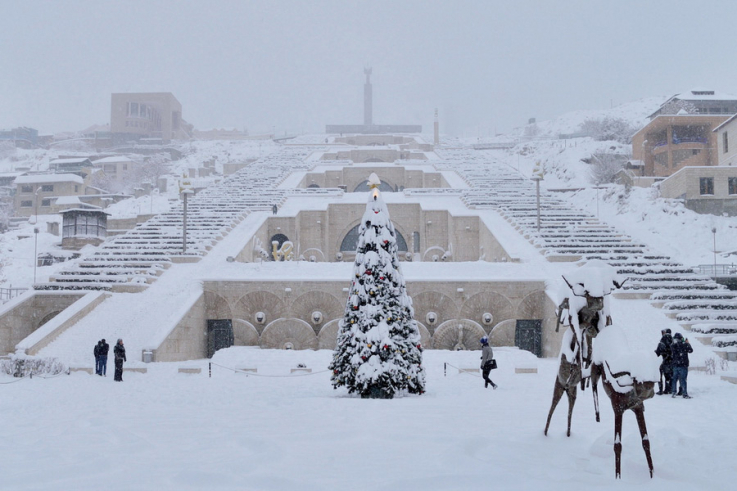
{"points": [[96, 352], [104, 350], [486, 356], [680, 350], [666, 367], [119, 352]]}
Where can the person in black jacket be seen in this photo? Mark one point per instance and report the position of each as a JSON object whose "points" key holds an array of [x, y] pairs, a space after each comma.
{"points": [[680, 350], [96, 352], [487, 355], [119, 352], [666, 367], [104, 350]]}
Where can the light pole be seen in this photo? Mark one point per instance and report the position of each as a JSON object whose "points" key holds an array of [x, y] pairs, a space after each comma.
{"points": [[714, 234], [35, 253], [185, 187], [538, 173]]}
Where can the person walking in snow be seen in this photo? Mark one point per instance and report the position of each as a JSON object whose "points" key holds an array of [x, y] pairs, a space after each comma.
{"points": [[104, 350], [274, 209], [96, 352], [487, 357], [680, 350], [119, 352], [666, 367]]}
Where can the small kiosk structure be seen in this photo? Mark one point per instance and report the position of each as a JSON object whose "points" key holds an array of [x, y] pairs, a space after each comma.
{"points": [[86, 224]]}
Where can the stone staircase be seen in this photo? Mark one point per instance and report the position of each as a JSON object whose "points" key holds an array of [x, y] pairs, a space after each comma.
{"points": [[135, 259], [567, 234]]}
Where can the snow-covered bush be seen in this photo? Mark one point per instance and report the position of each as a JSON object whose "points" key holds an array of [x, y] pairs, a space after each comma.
{"points": [[25, 365], [609, 129]]}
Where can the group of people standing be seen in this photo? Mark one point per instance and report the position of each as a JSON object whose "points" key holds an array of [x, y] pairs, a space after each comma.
{"points": [[674, 368], [101, 351]]}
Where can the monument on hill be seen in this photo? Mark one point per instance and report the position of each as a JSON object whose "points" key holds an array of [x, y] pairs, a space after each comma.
{"points": [[368, 126]]}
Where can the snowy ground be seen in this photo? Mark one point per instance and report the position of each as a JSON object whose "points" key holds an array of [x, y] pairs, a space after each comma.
{"points": [[164, 430]]}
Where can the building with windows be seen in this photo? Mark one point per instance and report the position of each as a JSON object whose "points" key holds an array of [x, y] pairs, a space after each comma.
{"points": [[710, 190], [671, 142], [21, 137], [727, 150], [681, 132], [36, 194], [117, 168], [153, 116]]}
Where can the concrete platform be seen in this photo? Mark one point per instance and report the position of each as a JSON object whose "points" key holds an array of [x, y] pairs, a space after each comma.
{"points": [[189, 370], [246, 370], [525, 369], [300, 370], [469, 370], [732, 379]]}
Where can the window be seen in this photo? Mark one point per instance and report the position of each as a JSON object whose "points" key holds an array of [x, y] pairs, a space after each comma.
{"points": [[46, 202], [76, 188], [133, 109], [706, 185], [725, 139], [47, 188], [26, 204], [732, 185], [26, 188], [125, 167]]}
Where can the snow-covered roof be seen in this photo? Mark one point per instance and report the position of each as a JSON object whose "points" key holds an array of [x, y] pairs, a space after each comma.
{"points": [[45, 178], [86, 208], [701, 94], [114, 159], [78, 160], [68, 200]]}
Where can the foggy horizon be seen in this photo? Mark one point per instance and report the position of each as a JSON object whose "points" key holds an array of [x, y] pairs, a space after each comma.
{"points": [[295, 67]]}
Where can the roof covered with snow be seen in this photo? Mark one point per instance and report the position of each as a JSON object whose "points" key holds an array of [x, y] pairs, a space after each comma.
{"points": [[44, 178], [113, 159], [77, 160]]}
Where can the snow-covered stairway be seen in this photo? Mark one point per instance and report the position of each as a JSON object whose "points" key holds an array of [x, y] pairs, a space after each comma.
{"points": [[130, 262], [568, 234]]}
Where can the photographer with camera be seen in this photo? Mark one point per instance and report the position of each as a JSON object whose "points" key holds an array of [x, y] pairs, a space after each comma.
{"points": [[680, 350]]}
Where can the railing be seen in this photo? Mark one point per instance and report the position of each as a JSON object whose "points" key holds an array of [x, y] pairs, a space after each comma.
{"points": [[689, 139], [8, 293], [717, 269]]}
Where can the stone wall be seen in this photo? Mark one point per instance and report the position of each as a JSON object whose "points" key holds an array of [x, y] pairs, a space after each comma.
{"points": [[305, 314]]}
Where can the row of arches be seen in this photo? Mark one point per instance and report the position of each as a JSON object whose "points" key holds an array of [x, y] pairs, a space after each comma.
{"points": [[311, 320]]}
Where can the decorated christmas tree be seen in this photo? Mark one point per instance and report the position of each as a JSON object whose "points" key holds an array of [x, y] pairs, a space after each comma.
{"points": [[378, 353]]}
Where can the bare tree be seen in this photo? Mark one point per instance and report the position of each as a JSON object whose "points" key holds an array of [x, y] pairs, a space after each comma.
{"points": [[604, 166], [609, 129]]}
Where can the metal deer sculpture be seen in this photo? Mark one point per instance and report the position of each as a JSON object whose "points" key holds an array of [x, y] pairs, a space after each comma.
{"points": [[588, 313], [614, 364]]}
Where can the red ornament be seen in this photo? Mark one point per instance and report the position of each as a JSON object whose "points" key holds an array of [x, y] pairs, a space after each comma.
{"points": [[368, 271]]}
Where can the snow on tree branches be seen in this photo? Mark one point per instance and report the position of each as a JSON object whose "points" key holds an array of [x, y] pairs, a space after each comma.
{"points": [[378, 352]]}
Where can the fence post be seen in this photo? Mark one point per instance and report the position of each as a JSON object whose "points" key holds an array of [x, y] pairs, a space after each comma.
{"points": [[445, 369], [209, 369]]}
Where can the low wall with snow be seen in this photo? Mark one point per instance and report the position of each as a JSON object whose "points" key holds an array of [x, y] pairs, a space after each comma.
{"points": [[26, 313]]}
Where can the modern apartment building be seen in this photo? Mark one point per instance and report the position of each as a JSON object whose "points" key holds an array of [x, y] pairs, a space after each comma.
{"points": [[147, 116]]}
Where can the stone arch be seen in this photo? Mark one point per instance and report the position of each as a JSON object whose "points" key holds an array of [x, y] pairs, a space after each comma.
{"points": [[433, 251], [503, 333], [432, 301], [316, 301], [350, 240], [284, 332], [244, 333], [447, 335], [425, 336], [328, 336], [46, 318], [532, 306], [313, 186], [259, 301], [216, 307], [364, 187], [495, 303]]}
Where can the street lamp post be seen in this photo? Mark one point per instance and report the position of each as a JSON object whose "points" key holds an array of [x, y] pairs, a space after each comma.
{"points": [[714, 234], [538, 172], [35, 253]]}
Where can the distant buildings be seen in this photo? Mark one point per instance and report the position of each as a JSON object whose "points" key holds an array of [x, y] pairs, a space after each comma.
{"points": [[22, 137], [153, 117]]}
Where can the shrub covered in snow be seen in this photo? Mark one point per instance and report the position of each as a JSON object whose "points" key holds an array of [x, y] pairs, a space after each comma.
{"points": [[609, 129], [24, 365]]}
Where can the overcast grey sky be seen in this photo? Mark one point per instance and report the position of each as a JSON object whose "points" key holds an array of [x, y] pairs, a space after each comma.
{"points": [[298, 65]]}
